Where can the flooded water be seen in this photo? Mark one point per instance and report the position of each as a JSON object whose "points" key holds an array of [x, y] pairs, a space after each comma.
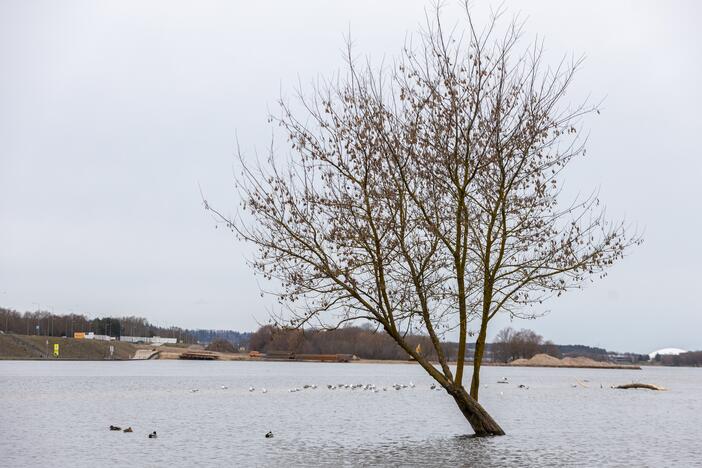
{"points": [[57, 414]]}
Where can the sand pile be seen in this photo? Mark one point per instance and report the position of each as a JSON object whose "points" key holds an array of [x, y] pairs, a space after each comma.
{"points": [[544, 360], [583, 362]]}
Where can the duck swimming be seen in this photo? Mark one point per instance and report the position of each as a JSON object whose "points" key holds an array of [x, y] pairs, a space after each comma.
{"points": [[269, 435], [129, 429], [153, 435], [115, 428]]}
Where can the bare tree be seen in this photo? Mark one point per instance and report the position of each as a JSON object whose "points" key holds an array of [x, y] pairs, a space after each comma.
{"points": [[421, 196], [510, 344], [502, 345]]}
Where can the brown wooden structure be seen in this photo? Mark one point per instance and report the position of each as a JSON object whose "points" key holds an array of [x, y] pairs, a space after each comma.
{"points": [[199, 355]]}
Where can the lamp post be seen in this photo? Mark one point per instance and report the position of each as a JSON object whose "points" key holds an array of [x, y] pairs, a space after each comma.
{"points": [[36, 328]]}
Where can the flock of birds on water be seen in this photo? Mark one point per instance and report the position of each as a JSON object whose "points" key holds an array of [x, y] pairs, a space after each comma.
{"points": [[369, 387], [366, 387]]}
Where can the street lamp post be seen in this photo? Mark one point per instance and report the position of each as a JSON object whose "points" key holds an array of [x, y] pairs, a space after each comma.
{"points": [[36, 328]]}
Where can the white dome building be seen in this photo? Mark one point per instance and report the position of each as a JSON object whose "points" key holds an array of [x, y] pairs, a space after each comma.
{"points": [[666, 352]]}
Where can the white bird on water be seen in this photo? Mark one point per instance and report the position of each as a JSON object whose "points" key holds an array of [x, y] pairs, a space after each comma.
{"points": [[263, 390], [251, 389]]}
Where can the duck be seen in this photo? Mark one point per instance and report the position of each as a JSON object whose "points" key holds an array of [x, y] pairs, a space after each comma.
{"points": [[153, 435], [115, 428], [129, 429], [269, 435]]}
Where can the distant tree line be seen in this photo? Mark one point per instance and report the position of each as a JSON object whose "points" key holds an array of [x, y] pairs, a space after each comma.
{"points": [[45, 323], [691, 359], [237, 339], [592, 352], [42, 323], [364, 342], [510, 344]]}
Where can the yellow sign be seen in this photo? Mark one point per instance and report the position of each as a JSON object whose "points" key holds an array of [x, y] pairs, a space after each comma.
{"points": [[79, 335], [56, 350]]}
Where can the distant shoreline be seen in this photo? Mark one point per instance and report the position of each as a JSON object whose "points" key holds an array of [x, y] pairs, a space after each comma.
{"points": [[360, 361], [37, 348]]}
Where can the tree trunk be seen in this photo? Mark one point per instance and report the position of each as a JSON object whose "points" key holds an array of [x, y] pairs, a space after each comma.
{"points": [[482, 423], [478, 359]]}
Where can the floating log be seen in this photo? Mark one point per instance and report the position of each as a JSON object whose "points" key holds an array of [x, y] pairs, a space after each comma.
{"points": [[640, 385]]}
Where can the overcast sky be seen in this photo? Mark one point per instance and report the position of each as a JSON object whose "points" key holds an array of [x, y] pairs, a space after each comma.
{"points": [[113, 112]]}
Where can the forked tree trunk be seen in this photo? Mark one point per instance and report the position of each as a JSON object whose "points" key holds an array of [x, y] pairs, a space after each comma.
{"points": [[482, 423]]}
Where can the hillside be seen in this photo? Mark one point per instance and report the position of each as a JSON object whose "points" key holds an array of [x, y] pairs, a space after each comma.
{"points": [[35, 347]]}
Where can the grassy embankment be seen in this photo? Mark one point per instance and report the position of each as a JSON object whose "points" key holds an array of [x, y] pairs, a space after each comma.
{"points": [[35, 347]]}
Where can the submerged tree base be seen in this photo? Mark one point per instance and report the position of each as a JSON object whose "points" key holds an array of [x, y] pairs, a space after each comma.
{"points": [[480, 420]]}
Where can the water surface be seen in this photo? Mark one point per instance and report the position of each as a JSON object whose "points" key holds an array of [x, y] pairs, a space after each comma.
{"points": [[57, 414]]}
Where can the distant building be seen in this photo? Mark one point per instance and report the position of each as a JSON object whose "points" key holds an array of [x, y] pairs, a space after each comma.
{"points": [[152, 340], [666, 352], [627, 358], [92, 336], [620, 357]]}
